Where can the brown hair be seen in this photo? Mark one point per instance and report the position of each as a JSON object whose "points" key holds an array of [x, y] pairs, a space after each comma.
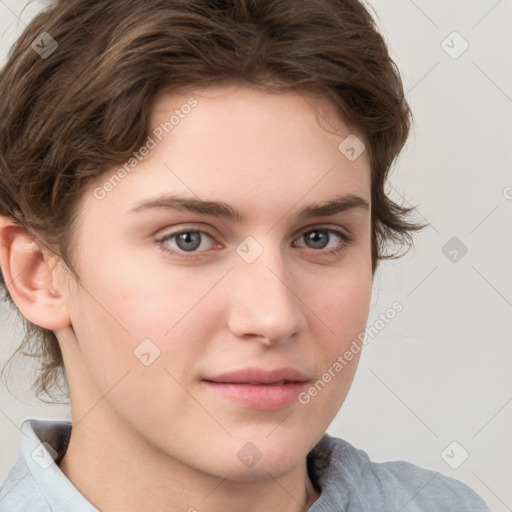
{"points": [[70, 115]]}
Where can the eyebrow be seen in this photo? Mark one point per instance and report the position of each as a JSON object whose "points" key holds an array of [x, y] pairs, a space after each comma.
{"points": [[339, 204]]}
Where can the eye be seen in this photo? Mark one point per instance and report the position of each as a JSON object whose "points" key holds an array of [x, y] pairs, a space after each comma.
{"points": [[193, 241], [319, 238], [186, 240]]}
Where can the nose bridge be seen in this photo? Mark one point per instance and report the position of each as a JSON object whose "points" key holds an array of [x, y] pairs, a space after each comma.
{"points": [[265, 302]]}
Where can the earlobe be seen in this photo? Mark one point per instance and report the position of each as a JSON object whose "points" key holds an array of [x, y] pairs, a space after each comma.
{"points": [[29, 278]]}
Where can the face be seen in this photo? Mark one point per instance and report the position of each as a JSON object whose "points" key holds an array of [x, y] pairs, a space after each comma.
{"points": [[172, 297]]}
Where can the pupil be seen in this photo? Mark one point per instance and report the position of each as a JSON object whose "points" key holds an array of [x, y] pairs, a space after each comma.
{"points": [[316, 236], [188, 238]]}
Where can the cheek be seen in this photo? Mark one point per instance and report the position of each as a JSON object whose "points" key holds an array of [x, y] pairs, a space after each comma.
{"points": [[354, 305], [139, 343], [345, 311], [347, 293], [344, 306], [123, 322]]}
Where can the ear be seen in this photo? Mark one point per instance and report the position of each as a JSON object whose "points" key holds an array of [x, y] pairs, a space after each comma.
{"points": [[30, 279]]}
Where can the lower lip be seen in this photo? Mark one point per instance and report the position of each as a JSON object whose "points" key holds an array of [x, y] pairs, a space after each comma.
{"points": [[259, 396]]}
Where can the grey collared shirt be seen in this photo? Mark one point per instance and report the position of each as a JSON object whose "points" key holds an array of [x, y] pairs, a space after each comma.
{"points": [[346, 478]]}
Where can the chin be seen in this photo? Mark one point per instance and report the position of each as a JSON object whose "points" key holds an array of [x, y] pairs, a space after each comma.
{"points": [[269, 466], [259, 457]]}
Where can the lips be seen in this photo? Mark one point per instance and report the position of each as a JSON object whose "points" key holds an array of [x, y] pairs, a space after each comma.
{"points": [[257, 388]]}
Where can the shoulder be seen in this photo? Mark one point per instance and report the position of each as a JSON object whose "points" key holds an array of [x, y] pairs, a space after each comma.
{"points": [[20, 493], [393, 485]]}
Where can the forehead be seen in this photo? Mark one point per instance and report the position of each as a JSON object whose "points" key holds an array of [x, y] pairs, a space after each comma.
{"points": [[243, 105], [249, 129], [247, 148]]}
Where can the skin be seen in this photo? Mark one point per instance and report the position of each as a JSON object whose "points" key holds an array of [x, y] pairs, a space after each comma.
{"points": [[152, 437]]}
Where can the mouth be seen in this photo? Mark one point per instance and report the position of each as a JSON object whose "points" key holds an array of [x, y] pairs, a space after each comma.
{"points": [[257, 388]]}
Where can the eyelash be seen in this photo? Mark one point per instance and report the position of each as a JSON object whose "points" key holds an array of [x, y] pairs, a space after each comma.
{"points": [[346, 241]]}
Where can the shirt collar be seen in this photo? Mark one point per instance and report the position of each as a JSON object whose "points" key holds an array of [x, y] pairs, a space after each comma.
{"points": [[43, 443]]}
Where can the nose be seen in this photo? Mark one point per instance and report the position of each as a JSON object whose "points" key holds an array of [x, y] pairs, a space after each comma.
{"points": [[265, 301]]}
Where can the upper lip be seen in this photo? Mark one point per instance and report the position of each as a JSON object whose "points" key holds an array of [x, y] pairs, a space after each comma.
{"points": [[260, 376]]}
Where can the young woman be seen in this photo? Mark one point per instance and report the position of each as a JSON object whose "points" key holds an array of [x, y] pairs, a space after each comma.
{"points": [[192, 211]]}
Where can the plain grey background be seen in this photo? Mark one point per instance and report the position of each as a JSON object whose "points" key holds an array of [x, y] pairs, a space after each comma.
{"points": [[434, 386]]}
